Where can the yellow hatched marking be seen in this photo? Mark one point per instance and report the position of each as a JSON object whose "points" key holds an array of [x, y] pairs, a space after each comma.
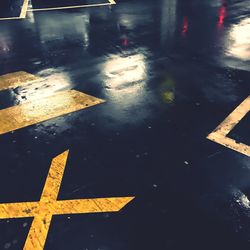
{"points": [[40, 110], [16, 79], [43, 210], [219, 135]]}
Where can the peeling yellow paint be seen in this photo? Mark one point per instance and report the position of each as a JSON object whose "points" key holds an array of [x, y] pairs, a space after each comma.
{"points": [[219, 135], [43, 210], [35, 111], [16, 79]]}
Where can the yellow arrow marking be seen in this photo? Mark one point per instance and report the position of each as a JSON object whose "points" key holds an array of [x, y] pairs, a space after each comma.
{"points": [[43, 210], [219, 135]]}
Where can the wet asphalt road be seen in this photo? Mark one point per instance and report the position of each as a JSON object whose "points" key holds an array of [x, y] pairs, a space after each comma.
{"points": [[170, 71]]}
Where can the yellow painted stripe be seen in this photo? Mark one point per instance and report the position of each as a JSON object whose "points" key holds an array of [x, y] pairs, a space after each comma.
{"points": [[9, 18], [40, 110], [219, 135], [38, 232], [16, 79], [79, 206], [43, 210], [22, 13], [230, 143], [24, 8], [54, 179], [234, 118]]}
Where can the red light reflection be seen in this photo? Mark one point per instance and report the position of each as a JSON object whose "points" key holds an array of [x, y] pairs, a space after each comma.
{"points": [[185, 25], [222, 14], [125, 42]]}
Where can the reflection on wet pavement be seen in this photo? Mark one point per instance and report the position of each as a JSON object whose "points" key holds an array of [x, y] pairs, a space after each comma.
{"points": [[239, 37]]}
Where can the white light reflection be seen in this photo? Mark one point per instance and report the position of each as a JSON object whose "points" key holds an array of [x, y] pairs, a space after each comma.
{"points": [[57, 28], [125, 78], [30, 14], [122, 70], [48, 85], [4, 45], [244, 201], [239, 37], [125, 81], [5, 41], [131, 21]]}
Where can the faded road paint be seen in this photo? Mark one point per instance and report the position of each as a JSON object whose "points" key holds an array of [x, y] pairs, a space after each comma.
{"points": [[43, 210], [219, 135]]}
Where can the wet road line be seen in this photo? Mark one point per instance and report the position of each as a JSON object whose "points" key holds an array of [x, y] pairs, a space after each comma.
{"points": [[9, 18], [22, 13], [24, 9], [43, 210], [17, 79], [46, 108], [219, 135], [110, 2]]}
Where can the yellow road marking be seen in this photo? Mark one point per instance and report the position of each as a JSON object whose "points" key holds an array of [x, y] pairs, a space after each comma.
{"points": [[24, 9], [219, 135], [16, 79], [9, 18], [22, 13], [40, 110], [110, 2], [43, 210]]}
